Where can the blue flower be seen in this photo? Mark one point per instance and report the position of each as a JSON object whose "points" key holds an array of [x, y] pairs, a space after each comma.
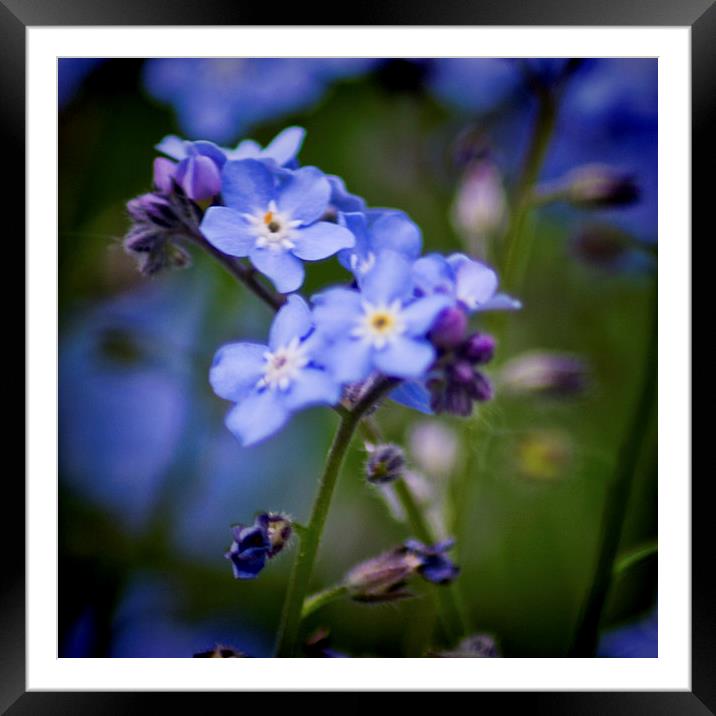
{"points": [[198, 171], [341, 198], [382, 327], [434, 566], [254, 544], [471, 284], [273, 217], [376, 230], [282, 149], [269, 383]]}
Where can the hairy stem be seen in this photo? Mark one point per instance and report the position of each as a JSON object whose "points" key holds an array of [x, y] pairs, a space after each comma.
{"points": [[615, 506], [308, 549]]}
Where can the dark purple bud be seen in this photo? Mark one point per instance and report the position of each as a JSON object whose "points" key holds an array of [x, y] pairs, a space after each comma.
{"points": [[385, 463], [449, 328], [462, 372], [254, 544], [479, 348], [480, 388]]}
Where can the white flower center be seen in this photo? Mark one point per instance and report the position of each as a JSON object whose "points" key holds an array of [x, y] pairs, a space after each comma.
{"points": [[380, 324], [283, 365], [362, 266], [273, 229]]}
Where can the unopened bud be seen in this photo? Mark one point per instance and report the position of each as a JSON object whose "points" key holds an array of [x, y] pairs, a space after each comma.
{"points": [[385, 463], [479, 348], [599, 186], [544, 373], [449, 328], [383, 578]]}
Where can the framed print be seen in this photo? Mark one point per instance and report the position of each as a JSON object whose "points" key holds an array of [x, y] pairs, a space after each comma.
{"points": [[361, 355]]}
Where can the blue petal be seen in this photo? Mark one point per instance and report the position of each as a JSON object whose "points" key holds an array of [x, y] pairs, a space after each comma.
{"points": [[405, 358], [394, 230], [313, 387], [210, 150], [413, 394], [388, 280], [336, 310], [258, 416], [228, 231], [247, 185], [500, 302], [236, 369], [247, 149], [285, 145], [320, 240], [199, 177], [283, 268], [304, 194], [355, 222], [475, 283], [349, 360], [292, 321], [173, 147], [433, 274], [421, 314], [341, 198]]}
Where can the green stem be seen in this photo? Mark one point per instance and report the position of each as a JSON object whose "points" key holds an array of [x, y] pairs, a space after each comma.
{"points": [[634, 556], [306, 557], [517, 239], [615, 507], [319, 600], [451, 615]]}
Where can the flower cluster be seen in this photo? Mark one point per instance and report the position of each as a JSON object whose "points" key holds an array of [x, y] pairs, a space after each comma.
{"points": [[399, 315]]}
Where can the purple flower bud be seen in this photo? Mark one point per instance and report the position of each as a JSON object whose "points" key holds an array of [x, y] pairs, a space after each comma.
{"points": [[462, 372], [544, 373], [477, 646], [598, 186], [481, 388], [385, 464], [199, 177], [254, 544], [164, 173], [449, 328], [434, 566], [479, 348], [383, 578]]}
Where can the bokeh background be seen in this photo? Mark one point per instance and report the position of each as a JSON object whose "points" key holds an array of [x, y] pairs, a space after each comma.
{"points": [[150, 479]]}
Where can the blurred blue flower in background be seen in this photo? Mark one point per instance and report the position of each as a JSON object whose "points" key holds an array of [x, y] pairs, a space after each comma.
{"points": [[220, 99], [71, 73], [636, 640]]}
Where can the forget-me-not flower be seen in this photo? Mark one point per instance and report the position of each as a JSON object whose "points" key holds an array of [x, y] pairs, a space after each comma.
{"points": [[273, 216], [380, 327], [269, 383], [282, 149], [197, 171], [376, 230]]}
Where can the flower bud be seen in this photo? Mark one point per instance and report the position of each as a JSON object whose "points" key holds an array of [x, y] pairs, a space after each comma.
{"points": [[383, 578], [595, 186], [434, 566], [279, 530], [479, 348], [477, 646], [543, 373], [449, 328], [385, 464], [254, 544], [480, 205]]}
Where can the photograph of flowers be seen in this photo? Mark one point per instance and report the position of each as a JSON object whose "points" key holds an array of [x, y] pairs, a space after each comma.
{"points": [[357, 357]]}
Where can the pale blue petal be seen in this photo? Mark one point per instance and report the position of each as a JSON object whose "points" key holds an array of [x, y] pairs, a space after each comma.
{"points": [[348, 360], [173, 147], [394, 230], [336, 310], [433, 274], [355, 222], [413, 394], [236, 369], [313, 387], [388, 280], [475, 283], [292, 321], [228, 231], [341, 198], [257, 417], [248, 149], [405, 358], [500, 302], [421, 314], [321, 240], [283, 268], [304, 194], [285, 145], [247, 185]]}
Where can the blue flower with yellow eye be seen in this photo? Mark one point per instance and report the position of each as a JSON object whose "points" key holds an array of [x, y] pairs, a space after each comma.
{"points": [[273, 217]]}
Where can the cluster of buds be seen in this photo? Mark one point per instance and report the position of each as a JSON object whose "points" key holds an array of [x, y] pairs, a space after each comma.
{"points": [[256, 543], [456, 383], [158, 220], [384, 578]]}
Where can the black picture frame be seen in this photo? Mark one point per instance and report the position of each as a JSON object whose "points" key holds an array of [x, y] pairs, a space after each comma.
{"points": [[699, 15]]}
